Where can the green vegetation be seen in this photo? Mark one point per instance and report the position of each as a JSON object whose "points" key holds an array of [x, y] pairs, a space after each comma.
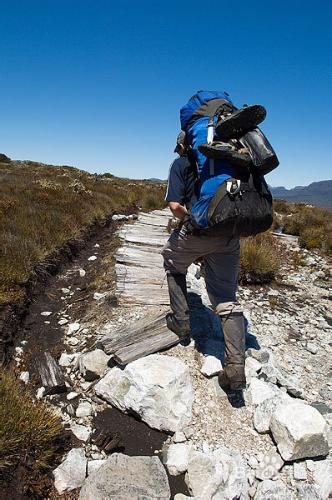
{"points": [[42, 207], [312, 225], [30, 435], [260, 259]]}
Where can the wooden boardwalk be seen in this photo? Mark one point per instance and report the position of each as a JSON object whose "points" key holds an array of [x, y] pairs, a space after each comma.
{"points": [[141, 280], [139, 268]]}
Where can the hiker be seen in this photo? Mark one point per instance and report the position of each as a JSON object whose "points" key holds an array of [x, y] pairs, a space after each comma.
{"points": [[217, 191], [221, 260]]}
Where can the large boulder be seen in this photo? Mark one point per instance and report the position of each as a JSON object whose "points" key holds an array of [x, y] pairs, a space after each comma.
{"points": [[264, 411], [71, 472], [124, 477], [157, 388], [300, 431], [219, 475], [92, 365]]}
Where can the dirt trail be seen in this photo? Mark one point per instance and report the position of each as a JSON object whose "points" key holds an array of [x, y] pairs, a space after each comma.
{"points": [[77, 293]]}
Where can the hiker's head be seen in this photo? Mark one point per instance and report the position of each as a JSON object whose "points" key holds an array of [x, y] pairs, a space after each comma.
{"points": [[180, 147]]}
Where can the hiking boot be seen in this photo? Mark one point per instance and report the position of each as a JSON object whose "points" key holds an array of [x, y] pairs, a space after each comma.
{"points": [[232, 378], [180, 327], [240, 121], [225, 151], [178, 319]]}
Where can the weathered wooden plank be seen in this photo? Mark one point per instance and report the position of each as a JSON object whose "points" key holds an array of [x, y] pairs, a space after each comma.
{"points": [[135, 341], [155, 276], [153, 220], [153, 240], [51, 375], [143, 230], [139, 256]]}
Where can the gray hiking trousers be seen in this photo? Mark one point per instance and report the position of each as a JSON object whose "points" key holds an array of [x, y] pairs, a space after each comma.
{"points": [[221, 258]]}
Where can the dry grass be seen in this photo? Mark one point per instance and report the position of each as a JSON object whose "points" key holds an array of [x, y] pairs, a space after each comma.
{"points": [[260, 259], [30, 435], [42, 207]]}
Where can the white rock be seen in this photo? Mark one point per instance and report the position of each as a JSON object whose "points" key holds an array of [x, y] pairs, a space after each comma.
{"points": [[269, 466], [258, 391], [312, 348], [157, 387], [40, 392], [211, 366], [93, 257], [46, 313], [308, 492], [73, 341], [273, 490], [72, 395], [263, 411], [73, 328], [25, 377], [252, 366], [127, 478], [84, 409], [177, 458], [82, 273], [323, 477], [219, 475], [99, 296], [63, 321], [93, 364], [310, 261], [179, 437], [65, 290], [300, 431], [94, 465], [300, 471], [71, 472], [80, 431], [253, 462], [66, 359], [119, 217]]}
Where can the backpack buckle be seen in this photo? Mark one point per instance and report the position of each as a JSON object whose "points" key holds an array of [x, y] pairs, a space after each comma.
{"points": [[233, 187]]}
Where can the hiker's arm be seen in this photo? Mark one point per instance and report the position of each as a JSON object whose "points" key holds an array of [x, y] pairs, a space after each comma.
{"points": [[176, 189], [177, 209]]}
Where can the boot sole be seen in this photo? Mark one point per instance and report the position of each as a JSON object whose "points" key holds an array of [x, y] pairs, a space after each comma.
{"points": [[223, 154], [246, 119]]}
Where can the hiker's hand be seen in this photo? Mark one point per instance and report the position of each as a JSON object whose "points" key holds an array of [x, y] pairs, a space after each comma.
{"points": [[178, 210]]}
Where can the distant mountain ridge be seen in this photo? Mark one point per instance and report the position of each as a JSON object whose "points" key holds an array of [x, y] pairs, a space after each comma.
{"points": [[317, 193]]}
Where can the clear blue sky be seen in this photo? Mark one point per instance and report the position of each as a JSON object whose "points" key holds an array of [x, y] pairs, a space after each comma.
{"points": [[98, 84]]}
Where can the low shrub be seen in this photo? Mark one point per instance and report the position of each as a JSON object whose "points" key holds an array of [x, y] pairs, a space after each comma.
{"points": [[281, 206], [30, 435], [313, 225], [260, 259]]}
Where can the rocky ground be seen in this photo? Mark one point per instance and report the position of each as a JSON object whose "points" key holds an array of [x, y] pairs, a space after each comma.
{"points": [[272, 443]]}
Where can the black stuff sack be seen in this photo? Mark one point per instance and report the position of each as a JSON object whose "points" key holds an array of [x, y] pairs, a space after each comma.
{"points": [[241, 207]]}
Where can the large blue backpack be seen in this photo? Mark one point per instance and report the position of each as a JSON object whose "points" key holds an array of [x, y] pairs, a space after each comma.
{"points": [[221, 206]]}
